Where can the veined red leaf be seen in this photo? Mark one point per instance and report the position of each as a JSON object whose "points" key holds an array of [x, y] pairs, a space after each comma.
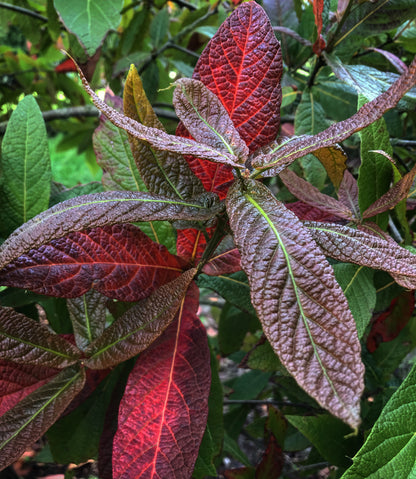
{"points": [[103, 209], [348, 193], [273, 163], [24, 424], [190, 244], [318, 9], [19, 380], [290, 281], [163, 172], [26, 341], [307, 212], [164, 410], [206, 118], [353, 246], [119, 261], [226, 259], [136, 329]]}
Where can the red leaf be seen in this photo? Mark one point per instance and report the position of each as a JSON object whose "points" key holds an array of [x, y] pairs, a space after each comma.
{"points": [[190, 244], [307, 212], [318, 8], [164, 410], [272, 461], [388, 324], [66, 66], [119, 261], [226, 262]]}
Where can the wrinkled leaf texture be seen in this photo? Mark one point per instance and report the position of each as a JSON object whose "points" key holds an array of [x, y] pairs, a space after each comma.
{"points": [[163, 412], [118, 261], [290, 282]]}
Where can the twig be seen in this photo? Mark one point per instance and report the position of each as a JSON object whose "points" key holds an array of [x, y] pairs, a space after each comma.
{"points": [[24, 11], [401, 142], [261, 402]]}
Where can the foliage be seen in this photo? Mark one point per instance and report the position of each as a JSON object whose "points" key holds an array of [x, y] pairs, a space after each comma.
{"points": [[252, 198]]}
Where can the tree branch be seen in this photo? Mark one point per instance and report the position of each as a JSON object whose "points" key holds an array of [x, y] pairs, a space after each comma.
{"points": [[24, 11]]}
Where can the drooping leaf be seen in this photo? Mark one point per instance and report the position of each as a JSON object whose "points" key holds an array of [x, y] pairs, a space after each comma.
{"points": [[390, 449], [24, 424], [163, 172], [334, 160], [88, 316], [163, 412], [118, 261], [348, 193], [136, 329], [398, 64], [274, 162], [25, 166], [289, 280], [90, 21], [102, 209], [206, 119], [307, 212], [346, 244], [25, 341]]}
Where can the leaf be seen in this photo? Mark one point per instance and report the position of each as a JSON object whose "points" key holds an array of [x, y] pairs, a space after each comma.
{"points": [[334, 160], [19, 380], [24, 424], [88, 316], [348, 194], [89, 20], [310, 117], [206, 119], [25, 165], [318, 11], [290, 280], [159, 27], [272, 460], [390, 449], [102, 209], [398, 64], [274, 162], [353, 246], [163, 412], [136, 329], [118, 261], [163, 172], [225, 260], [307, 212], [23, 340]]}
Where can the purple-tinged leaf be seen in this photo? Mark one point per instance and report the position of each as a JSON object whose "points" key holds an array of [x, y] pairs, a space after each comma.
{"points": [[157, 138], [309, 194], [226, 259], [307, 212], [163, 412], [88, 316], [103, 209], [290, 282], [206, 119], [398, 64], [26, 341], [119, 261], [390, 199], [353, 246], [24, 424], [348, 193], [273, 163], [136, 329], [163, 172]]}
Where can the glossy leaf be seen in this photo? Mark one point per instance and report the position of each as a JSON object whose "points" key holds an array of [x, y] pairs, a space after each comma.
{"points": [[390, 449], [25, 341], [206, 119], [290, 279], [88, 316], [118, 261], [102, 209], [163, 172], [353, 246], [164, 410], [24, 424], [136, 329], [25, 165]]}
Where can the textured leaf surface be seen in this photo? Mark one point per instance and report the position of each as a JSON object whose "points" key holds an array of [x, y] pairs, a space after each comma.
{"points": [[23, 425], [272, 163], [206, 118], [290, 280], [119, 261], [226, 259], [348, 193], [136, 329], [23, 340], [390, 449], [353, 246], [334, 160], [310, 116], [102, 209], [164, 410], [89, 20], [163, 172], [25, 164], [88, 316]]}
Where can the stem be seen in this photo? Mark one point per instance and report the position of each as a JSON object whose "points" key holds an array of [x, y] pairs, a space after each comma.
{"points": [[213, 243], [332, 41], [272, 402], [24, 11], [318, 65]]}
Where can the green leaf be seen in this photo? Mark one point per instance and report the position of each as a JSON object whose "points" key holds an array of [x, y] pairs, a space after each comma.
{"points": [[358, 287], [90, 20], [159, 27], [310, 117], [23, 340], [25, 423], [25, 165], [304, 312], [390, 449]]}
